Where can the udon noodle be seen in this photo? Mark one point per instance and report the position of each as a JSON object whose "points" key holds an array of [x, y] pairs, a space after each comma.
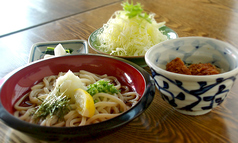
{"points": [[106, 107]]}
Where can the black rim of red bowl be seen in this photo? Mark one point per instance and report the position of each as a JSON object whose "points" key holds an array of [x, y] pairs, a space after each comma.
{"points": [[46, 133]]}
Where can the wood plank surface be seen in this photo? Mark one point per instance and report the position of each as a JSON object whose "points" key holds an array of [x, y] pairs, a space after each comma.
{"points": [[19, 15], [160, 122]]}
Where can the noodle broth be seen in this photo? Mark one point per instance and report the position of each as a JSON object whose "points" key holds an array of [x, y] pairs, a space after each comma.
{"points": [[26, 107], [130, 82], [19, 82]]}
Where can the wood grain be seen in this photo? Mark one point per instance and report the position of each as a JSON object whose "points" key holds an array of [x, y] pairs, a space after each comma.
{"points": [[21, 15], [160, 122]]}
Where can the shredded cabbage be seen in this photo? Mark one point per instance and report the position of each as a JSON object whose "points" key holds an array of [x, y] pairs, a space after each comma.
{"points": [[124, 36]]}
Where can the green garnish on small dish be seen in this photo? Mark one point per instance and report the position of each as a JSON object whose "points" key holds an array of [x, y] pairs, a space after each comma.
{"points": [[50, 50]]}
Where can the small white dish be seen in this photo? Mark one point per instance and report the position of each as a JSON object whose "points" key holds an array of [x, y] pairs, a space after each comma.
{"points": [[38, 49]]}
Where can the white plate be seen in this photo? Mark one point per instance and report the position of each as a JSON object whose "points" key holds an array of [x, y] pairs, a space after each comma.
{"points": [[38, 49]]}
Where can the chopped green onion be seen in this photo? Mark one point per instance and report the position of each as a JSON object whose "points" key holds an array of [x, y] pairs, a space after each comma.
{"points": [[101, 86]]}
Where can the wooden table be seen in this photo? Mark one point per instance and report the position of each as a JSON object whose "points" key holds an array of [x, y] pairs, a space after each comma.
{"points": [[55, 20]]}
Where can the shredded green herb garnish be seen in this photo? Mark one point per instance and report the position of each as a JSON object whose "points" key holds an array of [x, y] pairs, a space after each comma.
{"points": [[134, 10], [101, 86], [55, 104]]}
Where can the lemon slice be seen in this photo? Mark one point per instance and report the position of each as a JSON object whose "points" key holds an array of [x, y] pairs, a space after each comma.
{"points": [[84, 103]]}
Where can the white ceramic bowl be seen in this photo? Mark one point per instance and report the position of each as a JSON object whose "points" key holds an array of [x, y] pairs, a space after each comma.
{"points": [[191, 94]]}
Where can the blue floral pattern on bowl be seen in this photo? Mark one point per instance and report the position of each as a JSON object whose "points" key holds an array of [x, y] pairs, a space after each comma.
{"points": [[193, 95], [182, 92]]}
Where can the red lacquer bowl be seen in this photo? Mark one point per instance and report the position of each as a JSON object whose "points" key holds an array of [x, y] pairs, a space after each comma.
{"points": [[19, 82]]}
